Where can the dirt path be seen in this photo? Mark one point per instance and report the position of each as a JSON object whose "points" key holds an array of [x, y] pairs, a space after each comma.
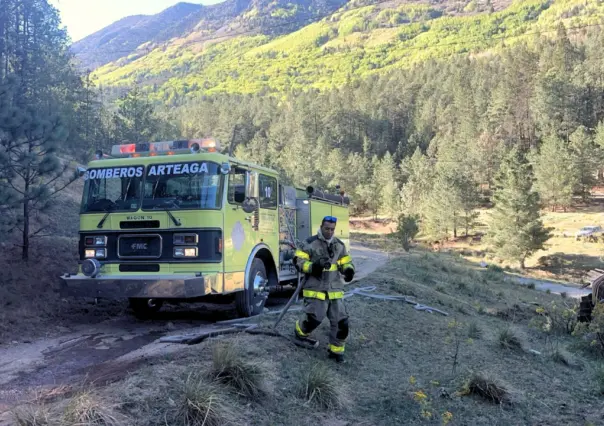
{"points": [[554, 287], [91, 351]]}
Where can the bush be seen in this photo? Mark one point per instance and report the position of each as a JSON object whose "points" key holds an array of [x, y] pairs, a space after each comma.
{"points": [[406, 230], [486, 387], [203, 403], [321, 387], [557, 318], [508, 340], [229, 367]]}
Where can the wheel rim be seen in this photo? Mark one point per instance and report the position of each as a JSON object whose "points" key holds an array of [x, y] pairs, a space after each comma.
{"points": [[258, 296]]}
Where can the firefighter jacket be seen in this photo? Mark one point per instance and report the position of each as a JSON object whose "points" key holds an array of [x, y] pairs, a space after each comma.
{"points": [[325, 282]]}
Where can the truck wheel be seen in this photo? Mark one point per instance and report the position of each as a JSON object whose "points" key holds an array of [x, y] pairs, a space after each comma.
{"points": [[250, 301], [143, 308]]}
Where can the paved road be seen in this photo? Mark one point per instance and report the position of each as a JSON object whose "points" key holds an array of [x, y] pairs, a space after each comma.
{"points": [[52, 362]]}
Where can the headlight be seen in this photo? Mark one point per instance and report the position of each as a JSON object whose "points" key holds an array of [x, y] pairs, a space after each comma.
{"points": [[185, 252], [96, 241], [96, 253], [186, 239]]}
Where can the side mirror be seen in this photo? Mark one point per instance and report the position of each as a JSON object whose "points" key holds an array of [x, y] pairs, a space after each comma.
{"points": [[225, 168], [250, 205]]}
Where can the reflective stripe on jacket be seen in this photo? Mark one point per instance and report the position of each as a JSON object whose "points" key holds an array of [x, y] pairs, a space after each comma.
{"points": [[314, 249]]}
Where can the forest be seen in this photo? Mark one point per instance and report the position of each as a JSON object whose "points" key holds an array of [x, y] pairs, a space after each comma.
{"points": [[432, 143]]}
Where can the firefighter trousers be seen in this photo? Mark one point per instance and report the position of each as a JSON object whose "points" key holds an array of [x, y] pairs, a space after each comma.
{"points": [[315, 311]]}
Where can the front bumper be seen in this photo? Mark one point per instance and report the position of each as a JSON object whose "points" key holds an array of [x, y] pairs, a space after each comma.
{"points": [[143, 286]]}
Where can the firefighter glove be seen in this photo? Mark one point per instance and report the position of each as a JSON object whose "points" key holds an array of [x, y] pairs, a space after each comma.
{"points": [[348, 275], [317, 268]]}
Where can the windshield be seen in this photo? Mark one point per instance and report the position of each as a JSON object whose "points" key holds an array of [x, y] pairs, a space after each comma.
{"points": [[112, 189], [178, 186]]}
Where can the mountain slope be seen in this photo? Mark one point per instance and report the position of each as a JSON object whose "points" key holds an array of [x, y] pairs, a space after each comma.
{"points": [[358, 40], [135, 36], [126, 35]]}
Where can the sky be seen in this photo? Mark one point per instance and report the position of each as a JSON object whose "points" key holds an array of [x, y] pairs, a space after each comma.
{"points": [[84, 17]]}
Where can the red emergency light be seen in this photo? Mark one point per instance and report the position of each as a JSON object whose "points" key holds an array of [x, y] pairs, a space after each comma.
{"points": [[153, 149]]}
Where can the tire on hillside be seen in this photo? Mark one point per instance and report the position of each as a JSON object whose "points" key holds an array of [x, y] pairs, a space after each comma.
{"points": [[250, 302]]}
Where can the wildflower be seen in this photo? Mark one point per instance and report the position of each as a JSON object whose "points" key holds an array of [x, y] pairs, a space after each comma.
{"points": [[412, 380], [447, 417], [419, 396], [426, 414]]}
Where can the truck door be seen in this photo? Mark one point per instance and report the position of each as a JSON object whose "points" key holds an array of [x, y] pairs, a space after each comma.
{"points": [[269, 214], [240, 224]]}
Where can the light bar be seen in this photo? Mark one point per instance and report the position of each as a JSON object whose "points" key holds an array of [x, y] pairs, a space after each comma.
{"points": [[165, 148]]}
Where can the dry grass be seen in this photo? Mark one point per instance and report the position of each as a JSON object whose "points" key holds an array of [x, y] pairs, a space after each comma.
{"points": [[320, 386], [487, 387], [559, 357], [474, 331], [85, 408], [508, 340], [91, 409], [203, 403], [230, 367], [389, 343], [34, 415]]}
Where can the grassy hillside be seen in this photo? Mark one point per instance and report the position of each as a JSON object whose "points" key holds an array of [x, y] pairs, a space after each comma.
{"points": [[404, 366], [356, 41], [135, 36]]}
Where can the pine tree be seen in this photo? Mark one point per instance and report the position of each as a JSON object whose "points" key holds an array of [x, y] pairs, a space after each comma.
{"points": [[386, 184], [584, 156], [554, 173], [134, 120], [37, 81], [516, 230], [599, 141], [418, 173]]}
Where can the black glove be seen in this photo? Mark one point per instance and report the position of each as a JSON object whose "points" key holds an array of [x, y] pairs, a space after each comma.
{"points": [[348, 275], [317, 268]]}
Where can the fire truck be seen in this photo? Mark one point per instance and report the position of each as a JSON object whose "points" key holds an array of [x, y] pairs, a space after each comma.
{"points": [[179, 221]]}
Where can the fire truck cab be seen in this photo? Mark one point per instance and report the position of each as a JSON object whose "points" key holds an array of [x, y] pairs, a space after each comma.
{"points": [[179, 221]]}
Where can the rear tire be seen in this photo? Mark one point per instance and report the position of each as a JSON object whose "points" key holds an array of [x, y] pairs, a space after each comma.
{"points": [[141, 307], [250, 302]]}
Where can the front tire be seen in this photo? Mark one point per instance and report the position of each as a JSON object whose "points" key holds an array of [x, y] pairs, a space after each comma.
{"points": [[250, 302]]}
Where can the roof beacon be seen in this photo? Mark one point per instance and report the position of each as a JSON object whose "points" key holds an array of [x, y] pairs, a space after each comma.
{"points": [[152, 149]]}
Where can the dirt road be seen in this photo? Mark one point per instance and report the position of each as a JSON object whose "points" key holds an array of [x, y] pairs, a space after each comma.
{"points": [[574, 291], [89, 351]]}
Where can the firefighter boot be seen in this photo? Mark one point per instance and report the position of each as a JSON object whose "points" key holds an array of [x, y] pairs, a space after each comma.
{"points": [[304, 337], [338, 357]]}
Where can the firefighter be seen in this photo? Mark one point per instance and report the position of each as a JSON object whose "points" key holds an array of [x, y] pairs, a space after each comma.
{"points": [[322, 258]]}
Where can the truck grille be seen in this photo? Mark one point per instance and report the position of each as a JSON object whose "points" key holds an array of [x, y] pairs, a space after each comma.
{"points": [[141, 246]]}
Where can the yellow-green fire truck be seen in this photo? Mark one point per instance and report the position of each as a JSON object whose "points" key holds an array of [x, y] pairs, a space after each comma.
{"points": [[179, 221]]}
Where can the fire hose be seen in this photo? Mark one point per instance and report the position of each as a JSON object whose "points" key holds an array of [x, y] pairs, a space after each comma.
{"points": [[238, 327]]}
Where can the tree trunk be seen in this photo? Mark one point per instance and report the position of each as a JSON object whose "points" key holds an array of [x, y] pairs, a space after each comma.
{"points": [[522, 265], [25, 252]]}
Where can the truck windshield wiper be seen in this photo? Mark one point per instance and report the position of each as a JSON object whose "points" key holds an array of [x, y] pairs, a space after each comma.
{"points": [[176, 221], [108, 212], [163, 205]]}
